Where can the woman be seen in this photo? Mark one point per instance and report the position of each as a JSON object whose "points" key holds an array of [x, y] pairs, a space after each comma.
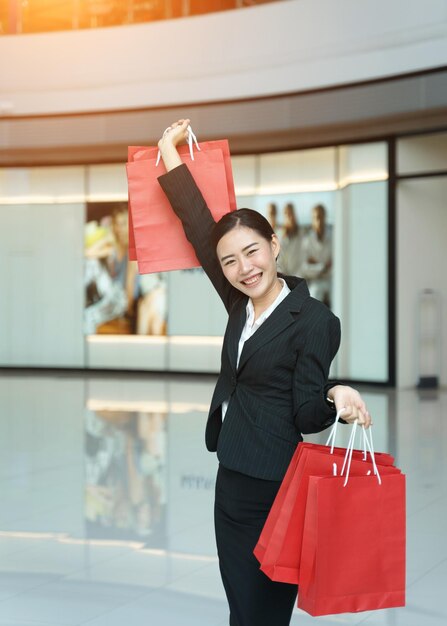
{"points": [[272, 387], [272, 215], [291, 257], [317, 256]]}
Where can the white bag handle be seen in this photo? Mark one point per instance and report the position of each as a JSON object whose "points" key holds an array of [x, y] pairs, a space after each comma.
{"points": [[332, 434], [349, 450], [191, 140], [368, 446]]}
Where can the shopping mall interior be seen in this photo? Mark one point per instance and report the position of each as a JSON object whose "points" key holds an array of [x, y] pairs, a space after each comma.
{"points": [[335, 115]]}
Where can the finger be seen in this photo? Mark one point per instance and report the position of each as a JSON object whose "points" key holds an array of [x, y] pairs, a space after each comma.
{"points": [[356, 416], [347, 413], [361, 420], [362, 407], [182, 127], [366, 420]]}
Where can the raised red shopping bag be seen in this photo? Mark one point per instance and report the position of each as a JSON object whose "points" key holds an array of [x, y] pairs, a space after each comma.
{"points": [[353, 555], [279, 546], [160, 243], [132, 252]]}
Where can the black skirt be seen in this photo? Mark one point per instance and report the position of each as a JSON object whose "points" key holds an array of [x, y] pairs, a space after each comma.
{"points": [[241, 508]]}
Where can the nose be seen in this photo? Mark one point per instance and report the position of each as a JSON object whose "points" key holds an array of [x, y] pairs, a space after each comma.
{"points": [[245, 265]]}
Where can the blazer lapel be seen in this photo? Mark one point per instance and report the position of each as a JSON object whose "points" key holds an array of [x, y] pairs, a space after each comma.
{"points": [[282, 317], [278, 321], [236, 324]]}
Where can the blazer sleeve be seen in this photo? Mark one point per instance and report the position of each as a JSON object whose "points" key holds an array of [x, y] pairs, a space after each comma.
{"points": [[312, 413], [198, 223]]}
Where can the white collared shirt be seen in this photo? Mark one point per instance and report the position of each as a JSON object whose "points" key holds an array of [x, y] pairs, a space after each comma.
{"points": [[251, 326]]}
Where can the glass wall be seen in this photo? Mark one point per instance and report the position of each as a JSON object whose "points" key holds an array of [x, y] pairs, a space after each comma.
{"points": [[330, 210], [421, 189], [65, 235]]}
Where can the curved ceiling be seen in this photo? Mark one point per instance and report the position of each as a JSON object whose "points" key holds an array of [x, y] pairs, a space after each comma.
{"points": [[279, 48]]}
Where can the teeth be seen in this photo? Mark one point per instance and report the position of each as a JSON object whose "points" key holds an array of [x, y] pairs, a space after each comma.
{"points": [[250, 281]]}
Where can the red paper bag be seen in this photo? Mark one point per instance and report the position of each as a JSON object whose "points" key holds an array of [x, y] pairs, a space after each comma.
{"points": [[382, 458], [157, 239], [277, 506], [353, 556], [279, 546], [131, 151]]}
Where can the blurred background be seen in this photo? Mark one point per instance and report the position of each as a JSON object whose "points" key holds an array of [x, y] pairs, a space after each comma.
{"points": [[336, 115], [324, 104]]}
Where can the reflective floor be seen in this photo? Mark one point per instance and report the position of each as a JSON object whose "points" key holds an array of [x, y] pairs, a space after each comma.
{"points": [[107, 496]]}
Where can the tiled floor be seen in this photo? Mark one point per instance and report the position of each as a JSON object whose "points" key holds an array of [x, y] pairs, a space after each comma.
{"points": [[106, 494]]}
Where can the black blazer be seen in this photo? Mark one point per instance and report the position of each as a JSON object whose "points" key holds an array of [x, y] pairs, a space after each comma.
{"points": [[278, 390]]}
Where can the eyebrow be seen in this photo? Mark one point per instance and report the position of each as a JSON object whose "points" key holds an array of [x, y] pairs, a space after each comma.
{"points": [[224, 258]]}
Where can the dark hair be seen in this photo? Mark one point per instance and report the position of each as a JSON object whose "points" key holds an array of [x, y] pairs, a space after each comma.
{"points": [[320, 208], [292, 229], [241, 217], [272, 208], [118, 209]]}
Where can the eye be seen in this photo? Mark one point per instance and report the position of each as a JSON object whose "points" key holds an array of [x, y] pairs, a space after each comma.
{"points": [[252, 250], [230, 262]]}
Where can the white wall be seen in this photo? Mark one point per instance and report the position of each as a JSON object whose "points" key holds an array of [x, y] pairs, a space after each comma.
{"points": [[41, 285], [421, 264], [187, 289], [361, 281], [279, 48]]}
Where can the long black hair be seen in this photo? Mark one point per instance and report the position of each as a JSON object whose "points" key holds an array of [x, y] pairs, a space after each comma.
{"points": [[242, 217]]}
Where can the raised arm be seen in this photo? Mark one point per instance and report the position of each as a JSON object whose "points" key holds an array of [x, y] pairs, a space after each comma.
{"points": [[190, 206]]}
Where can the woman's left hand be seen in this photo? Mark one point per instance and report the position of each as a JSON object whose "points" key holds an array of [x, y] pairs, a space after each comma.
{"points": [[351, 401]]}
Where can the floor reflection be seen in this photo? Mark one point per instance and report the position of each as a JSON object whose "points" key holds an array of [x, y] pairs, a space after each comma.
{"points": [[107, 498], [125, 475]]}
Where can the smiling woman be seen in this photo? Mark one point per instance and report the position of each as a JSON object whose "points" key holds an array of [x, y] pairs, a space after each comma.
{"points": [[277, 350]]}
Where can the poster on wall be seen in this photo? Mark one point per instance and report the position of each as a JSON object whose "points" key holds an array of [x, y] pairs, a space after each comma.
{"points": [[125, 475], [117, 299], [303, 223]]}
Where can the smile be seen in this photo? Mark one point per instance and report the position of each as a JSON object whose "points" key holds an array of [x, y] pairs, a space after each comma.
{"points": [[253, 280]]}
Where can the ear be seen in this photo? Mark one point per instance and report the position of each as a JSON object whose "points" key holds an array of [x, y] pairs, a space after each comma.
{"points": [[276, 246]]}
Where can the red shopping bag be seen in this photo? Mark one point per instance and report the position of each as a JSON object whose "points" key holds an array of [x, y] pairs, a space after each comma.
{"points": [[353, 555], [157, 240], [277, 506], [132, 252], [382, 458], [279, 546]]}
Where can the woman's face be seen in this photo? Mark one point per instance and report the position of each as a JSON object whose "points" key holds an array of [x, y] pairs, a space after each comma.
{"points": [[121, 228], [248, 261], [318, 220]]}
